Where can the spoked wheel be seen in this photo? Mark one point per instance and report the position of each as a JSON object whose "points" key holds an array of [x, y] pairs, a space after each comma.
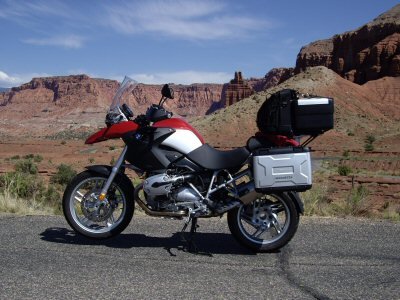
{"points": [[266, 224], [92, 217]]}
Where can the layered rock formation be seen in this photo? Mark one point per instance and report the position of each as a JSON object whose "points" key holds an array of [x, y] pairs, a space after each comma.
{"points": [[274, 77], [88, 94], [48, 105], [367, 53], [237, 90]]}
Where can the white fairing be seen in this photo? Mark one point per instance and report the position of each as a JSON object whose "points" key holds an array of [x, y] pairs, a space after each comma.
{"points": [[183, 141]]}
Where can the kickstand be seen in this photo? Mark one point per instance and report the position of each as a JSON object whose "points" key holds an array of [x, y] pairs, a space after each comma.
{"points": [[190, 244]]}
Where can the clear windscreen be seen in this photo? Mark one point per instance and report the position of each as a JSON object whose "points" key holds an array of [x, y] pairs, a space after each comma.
{"points": [[126, 87]]}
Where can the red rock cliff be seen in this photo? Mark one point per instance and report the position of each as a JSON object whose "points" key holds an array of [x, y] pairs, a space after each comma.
{"points": [[368, 53]]}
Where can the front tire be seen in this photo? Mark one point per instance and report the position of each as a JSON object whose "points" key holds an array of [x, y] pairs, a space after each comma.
{"points": [[266, 224], [94, 218]]}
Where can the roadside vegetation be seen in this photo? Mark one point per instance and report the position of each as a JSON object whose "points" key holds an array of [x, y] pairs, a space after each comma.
{"points": [[347, 198], [24, 191]]}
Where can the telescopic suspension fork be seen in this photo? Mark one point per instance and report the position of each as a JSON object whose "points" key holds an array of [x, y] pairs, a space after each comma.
{"points": [[114, 172]]}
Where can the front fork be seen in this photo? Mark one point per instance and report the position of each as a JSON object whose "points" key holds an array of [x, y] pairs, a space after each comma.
{"points": [[114, 172]]}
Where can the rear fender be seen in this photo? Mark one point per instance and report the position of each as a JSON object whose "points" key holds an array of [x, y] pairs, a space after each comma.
{"points": [[296, 200], [106, 171]]}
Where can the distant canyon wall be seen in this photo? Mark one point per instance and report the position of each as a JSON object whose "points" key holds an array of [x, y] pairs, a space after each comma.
{"points": [[367, 53]]}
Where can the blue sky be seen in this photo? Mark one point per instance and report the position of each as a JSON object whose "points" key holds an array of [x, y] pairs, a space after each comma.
{"points": [[159, 41]]}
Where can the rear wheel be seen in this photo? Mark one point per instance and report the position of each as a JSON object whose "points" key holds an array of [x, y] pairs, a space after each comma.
{"points": [[92, 217], [266, 224]]}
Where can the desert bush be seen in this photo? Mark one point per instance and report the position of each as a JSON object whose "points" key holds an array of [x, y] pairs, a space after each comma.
{"points": [[391, 212], [316, 201], [64, 175], [344, 170], [26, 194], [51, 197], [12, 204], [21, 185], [355, 201], [26, 166], [370, 139], [37, 158], [346, 153], [369, 147]]}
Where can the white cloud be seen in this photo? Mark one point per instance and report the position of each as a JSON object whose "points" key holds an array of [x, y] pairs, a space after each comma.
{"points": [[193, 20], [69, 41], [18, 10], [8, 81], [183, 77]]}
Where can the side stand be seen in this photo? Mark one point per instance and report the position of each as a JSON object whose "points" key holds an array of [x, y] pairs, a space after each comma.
{"points": [[190, 244]]}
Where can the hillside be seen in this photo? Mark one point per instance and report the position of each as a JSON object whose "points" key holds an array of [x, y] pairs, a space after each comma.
{"points": [[359, 110]]}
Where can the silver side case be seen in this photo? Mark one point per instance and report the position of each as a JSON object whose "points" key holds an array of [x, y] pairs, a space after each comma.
{"points": [[289, 171]]}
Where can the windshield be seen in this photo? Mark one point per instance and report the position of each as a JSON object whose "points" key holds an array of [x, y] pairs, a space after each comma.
{"points": [[126, 87]]}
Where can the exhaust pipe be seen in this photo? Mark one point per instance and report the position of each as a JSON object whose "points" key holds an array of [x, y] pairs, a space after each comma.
{"points": [[247, 192]]}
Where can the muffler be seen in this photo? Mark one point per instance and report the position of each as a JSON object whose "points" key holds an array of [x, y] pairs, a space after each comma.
{"points": [[247, 192]]}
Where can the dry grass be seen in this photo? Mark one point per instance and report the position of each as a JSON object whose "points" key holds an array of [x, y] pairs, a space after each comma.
{"points": [[10, 204]]}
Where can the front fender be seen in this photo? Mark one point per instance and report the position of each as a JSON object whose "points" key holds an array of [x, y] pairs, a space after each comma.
{"points": [[296, 200]]}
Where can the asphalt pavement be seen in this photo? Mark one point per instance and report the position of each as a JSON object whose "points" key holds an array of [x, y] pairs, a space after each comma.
{"points": [[42, 258]]}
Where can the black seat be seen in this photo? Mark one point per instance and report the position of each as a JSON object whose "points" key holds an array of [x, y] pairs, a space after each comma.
{"points": [[213, 159]]}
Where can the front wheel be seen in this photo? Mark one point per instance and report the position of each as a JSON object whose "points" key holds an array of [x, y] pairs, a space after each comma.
{"points": [[266, 224], [92, 217]]}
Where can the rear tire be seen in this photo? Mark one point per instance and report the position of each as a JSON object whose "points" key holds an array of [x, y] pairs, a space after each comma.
{"points": [[266, 224], [93, 218]]}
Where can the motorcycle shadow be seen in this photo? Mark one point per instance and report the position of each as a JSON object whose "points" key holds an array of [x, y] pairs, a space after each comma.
{"points": [[205, 242]]}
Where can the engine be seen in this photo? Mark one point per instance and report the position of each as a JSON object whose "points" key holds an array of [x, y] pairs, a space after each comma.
{"points": [[170, 192]]}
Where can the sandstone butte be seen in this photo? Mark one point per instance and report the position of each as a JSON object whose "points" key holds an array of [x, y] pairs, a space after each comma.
{"points": [[367, 53]]}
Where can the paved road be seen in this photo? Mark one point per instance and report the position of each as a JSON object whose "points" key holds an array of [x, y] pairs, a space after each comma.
{"points": [[41, 258]]}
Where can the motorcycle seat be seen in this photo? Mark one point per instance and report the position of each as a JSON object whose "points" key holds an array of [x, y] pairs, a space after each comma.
{"points": [[213, 159]]}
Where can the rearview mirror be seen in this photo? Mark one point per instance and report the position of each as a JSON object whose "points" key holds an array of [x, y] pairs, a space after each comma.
{"points": [[167, 92]]}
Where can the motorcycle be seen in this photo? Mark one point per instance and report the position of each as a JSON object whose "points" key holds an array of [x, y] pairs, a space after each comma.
{"points": [[184, 178]]}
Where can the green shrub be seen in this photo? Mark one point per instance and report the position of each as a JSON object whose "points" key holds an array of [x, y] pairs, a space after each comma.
{"points": [[344, 170], [346, 153], [369, 147], [370, 139], [64, 175], [15, 157], [26, 166], [355, 201], [51, 197], [21, 185], [37, 158]]}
